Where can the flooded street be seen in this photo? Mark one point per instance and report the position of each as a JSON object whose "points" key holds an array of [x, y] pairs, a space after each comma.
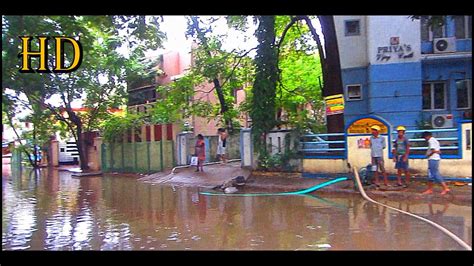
{"points": [[53, 211]]}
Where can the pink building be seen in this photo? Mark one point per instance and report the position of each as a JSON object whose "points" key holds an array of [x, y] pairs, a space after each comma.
{"points": [[174, 65]]}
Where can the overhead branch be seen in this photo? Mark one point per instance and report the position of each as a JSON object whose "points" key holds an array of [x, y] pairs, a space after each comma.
{"points": [[315, 35], [283, 35], [236, 65]]}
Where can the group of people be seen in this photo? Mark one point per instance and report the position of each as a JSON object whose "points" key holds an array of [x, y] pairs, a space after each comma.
{"points": [[200, 148], [401, 151]]}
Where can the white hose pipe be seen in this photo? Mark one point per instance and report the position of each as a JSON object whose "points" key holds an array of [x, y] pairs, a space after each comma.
{"points": [[444, 230], [186, 166]]}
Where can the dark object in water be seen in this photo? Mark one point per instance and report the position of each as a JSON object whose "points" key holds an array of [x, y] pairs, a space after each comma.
{"points": [[240, 180], [366, 175], [236, 181]]}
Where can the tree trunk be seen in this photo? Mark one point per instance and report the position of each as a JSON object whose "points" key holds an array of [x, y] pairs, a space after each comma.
{"points": [[10, 122], [332, 71], [217, 85], [35, 151], [81, 145], [82, 148], [266, 77]]}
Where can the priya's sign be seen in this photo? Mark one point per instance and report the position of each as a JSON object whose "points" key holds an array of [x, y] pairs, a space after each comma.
{"points": [[394, 50]]}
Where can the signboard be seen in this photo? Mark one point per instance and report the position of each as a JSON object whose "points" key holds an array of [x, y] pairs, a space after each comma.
{"points": [[362, 126], [334, 104], [394, 50]]}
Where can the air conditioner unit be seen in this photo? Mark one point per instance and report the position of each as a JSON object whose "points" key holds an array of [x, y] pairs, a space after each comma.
{"points": [[442, 121], [444, 45]]}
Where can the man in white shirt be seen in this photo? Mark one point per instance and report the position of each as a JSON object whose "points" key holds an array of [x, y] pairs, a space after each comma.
{"points": [[221, 145], [433, 155]]}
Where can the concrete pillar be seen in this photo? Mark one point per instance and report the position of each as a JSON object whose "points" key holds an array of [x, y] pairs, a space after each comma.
{"points": [[246, 148], [54, 149], [183, 149], [95, 154]]}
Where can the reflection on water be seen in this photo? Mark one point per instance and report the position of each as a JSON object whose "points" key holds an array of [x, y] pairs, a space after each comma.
{"points": [[52, 211]]}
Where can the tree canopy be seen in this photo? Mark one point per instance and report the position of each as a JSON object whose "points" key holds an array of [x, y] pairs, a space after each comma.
{"points": [[100, 80]]}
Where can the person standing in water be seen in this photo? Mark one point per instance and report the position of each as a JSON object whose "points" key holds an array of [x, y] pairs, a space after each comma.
{"points": [[377, 144], [221, 145], [200, 150], [401, 151], [433, 155]]}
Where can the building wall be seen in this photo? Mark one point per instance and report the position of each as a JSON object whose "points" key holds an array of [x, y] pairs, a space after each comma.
{"points": [[176, 64], [331, 166], [171, 64], [355, 76], [352, 49], [394, 69], [202, 125], [447, 70], [381, 28], [394, 93]]}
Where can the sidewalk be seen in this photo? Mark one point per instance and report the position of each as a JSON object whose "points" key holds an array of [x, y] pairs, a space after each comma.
{"points": [[281, 182], [262, 182], [213, 175]]}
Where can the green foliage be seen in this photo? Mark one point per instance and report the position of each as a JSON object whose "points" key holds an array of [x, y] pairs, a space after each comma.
{"points": [[115, 127], [188, 95], [300, 77], [433, 21], [99, 81], [264, 86], [280, 161]]}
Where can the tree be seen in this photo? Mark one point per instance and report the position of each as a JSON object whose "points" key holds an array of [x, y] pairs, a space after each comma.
{"points": [[330, 62], [264, 86], [300, 76], [224, 70], [99, 80], [331, 71]]}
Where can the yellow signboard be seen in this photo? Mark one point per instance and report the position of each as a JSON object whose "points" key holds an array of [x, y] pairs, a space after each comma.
{"points": [[362, 126], [334, 104]]}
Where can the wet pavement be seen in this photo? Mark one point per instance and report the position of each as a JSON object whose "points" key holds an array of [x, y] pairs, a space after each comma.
{"points": [[213, 175], [51, 210], [461, 193]]}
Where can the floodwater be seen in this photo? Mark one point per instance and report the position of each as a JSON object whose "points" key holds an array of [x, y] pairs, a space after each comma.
{"points": [[53, 211]]}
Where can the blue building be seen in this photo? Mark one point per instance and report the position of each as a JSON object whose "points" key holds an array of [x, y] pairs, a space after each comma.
{"points": [[406, 72]]}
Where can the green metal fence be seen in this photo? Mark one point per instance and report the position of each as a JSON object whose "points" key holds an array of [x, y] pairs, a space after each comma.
{"points": [[138, 157]]}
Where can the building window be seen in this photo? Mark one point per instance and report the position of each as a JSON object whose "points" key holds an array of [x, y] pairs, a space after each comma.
{"points": [[354, 92], [425, 29], [428, 33], [438, 31], [463, 93], [352, 27], [434, 96], [463, 27]]}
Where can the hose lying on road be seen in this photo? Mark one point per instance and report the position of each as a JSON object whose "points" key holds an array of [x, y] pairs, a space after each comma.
{"points": [[444, 230], [299, 192], [186, 166]]}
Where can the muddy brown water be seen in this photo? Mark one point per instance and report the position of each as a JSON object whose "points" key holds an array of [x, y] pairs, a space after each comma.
{"points": [[53, 211]]}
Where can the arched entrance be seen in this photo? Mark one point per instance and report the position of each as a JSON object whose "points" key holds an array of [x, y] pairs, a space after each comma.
{"points": [[358, 134]]}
